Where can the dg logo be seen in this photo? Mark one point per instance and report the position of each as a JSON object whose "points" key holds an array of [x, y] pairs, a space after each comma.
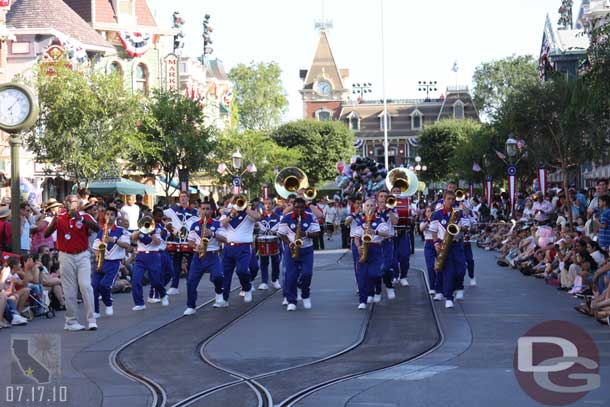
{"points": [[557, 363]]}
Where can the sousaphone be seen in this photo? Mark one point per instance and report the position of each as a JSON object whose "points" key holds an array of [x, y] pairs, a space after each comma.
{"points": [[404, 179], [290, 180]]}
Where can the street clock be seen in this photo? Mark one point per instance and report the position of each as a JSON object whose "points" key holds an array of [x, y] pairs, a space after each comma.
{"points": [[18, 108]]}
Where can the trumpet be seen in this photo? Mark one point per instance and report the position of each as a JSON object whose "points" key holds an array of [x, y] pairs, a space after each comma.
{"points": [[241, 203], [146, 225], [459, 195], [391, 201]]}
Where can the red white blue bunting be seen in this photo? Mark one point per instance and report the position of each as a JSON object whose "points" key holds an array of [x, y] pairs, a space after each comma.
{"points": [[136, 43]]}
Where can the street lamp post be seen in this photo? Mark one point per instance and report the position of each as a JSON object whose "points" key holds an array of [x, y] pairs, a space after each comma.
{"points": [[511, 152], [361, 89], [237, 163]]}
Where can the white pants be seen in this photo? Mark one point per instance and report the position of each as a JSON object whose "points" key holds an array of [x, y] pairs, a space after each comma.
{"points": [[75, 272]]}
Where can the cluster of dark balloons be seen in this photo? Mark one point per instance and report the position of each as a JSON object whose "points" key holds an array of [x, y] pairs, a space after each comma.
{"points": [[363, 176]]}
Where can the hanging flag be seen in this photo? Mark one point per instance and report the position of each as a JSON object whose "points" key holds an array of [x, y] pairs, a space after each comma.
{"points": [[500, 155], [542, 173], [135, 43], [236, 185], [266, 191], [476, 167], [455, 67], [488, 191], [512, 185]]}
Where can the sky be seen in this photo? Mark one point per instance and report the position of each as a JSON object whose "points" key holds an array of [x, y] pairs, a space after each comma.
{"points": [[423, 39]]}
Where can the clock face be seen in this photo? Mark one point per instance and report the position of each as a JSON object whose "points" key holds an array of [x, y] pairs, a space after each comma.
{"points": [[324, 88], [15, 107]]}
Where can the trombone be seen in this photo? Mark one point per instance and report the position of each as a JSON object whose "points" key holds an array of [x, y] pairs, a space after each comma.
{"points": [[241, 203], [460, 195], [146, 225]]}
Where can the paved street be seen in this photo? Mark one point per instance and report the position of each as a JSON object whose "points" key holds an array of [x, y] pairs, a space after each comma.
{"points": [[258, 354]]}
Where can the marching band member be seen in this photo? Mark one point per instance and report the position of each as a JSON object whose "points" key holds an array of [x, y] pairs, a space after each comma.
{"points": [[402, 250], [369, 271], [467, 223], [167, 265], [387, 246], [430, 254], [117, 241], [182, 216], [349, 221], [299, 269], [455, 262], [206, 258], [148, 240], [269, 224], [239, 227]]}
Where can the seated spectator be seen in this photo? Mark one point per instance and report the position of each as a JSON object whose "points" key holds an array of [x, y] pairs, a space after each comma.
{"points": [[14, 285], [3, 299], [50, 279]]}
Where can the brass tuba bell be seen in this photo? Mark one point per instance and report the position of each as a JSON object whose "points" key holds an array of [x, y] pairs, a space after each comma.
{"points": [[289, 181], [404, 179], [146, 225]]}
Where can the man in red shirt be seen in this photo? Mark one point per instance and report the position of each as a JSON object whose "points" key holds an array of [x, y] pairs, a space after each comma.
{"points": [[73, 229]]}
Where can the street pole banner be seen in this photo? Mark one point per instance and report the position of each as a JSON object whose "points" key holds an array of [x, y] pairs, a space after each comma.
{"points": [[236, 182], [266, 192], [542, 180], [471, 190], [512, 184], [488, 191]]}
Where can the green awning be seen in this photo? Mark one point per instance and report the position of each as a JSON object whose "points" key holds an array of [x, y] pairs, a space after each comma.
{"points": [[120, 186]]}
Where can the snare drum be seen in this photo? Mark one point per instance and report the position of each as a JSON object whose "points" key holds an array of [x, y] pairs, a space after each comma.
{"points": [[183, 247], [172, 247], [268, 245]]}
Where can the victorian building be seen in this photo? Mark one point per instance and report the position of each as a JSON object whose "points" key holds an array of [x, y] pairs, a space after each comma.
{"points": [[326, 96]]}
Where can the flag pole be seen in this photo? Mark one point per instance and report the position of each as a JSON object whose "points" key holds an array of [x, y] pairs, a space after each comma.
{"points": [[385, 101]]}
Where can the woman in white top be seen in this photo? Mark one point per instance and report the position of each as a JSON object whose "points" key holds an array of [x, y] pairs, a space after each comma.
{"points": [[429, 252], [528, 211]]}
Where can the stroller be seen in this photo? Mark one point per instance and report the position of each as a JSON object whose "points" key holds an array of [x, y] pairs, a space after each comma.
{"points": [[41, 304]]}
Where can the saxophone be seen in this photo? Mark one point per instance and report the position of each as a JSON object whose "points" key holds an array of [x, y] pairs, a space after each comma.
{"points": [[367, 238], [203, 244], [451, 231], [101, 249], [298, 242]]}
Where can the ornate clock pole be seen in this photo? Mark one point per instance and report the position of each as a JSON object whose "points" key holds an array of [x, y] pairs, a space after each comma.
{"points": [[18, 112]]}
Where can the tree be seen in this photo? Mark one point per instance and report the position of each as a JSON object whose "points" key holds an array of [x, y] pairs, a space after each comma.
{"points": [[178, 133], [438, 144], [495, 80], [255, 147], [87, 121], [550, 117], [259, 95], [321, 144]]}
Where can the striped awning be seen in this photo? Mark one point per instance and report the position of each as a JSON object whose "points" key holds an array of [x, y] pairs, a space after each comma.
{"points": [[598, 172]]}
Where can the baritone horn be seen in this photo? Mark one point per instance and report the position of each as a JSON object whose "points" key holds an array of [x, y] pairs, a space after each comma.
{"points": [[241, 203], [289, 181], [404, 179], [146, 225]]}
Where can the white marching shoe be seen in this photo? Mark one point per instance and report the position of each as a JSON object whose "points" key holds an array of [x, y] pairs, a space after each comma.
{"points": [[68, 327], [404, 282], [220, 302], [448, 304], [165, 301], [291, 307], [439, 297], [431, 292], [391, 293], [242, 293], [96, 315], [473, 282], [276, 284], [173, 291], [377, 298], [109, 311], [369, 300], [459, 295], [153, 300], [284, 301], [263, 286], [248, 296], [307, 303], [189, 311], [362, 306], [299, 298], [139, 308]]}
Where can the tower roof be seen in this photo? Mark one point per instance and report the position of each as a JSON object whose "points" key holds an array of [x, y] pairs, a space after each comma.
{"points": [[324, 65]]}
